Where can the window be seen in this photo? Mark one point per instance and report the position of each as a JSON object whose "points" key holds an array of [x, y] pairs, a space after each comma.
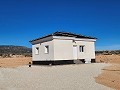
{"points": [[81, 48], [37, 50], [46, 49]]}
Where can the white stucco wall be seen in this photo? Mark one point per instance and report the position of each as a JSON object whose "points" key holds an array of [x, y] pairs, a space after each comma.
{"points": [[42, 56], [89, 50], [61, 48]]}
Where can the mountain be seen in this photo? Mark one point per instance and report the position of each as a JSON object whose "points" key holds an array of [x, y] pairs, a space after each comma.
{"points": [[16, 50]]}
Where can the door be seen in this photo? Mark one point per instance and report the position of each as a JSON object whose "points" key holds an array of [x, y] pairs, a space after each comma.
{"points": [[75, 52]]}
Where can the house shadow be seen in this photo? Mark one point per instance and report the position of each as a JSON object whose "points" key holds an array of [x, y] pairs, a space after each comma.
{"points": [[60, 62]]}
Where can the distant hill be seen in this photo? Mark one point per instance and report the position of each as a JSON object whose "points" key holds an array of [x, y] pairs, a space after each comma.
{"points": [[108, 52], [14, 50]]}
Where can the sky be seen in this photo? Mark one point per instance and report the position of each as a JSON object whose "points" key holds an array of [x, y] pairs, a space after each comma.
{"points": [[24, 20]]}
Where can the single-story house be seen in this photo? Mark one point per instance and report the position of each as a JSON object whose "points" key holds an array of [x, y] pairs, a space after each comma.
{"points": [[62, 48]]}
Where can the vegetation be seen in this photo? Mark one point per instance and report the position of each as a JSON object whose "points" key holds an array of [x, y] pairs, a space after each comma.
{"points": [[108, 52], [10, 50]]}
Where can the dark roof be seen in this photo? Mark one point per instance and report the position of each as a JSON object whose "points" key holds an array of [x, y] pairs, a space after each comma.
{"points": [[66, 34]]}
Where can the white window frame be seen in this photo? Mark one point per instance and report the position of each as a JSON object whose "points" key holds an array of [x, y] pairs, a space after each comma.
{"points": [[82, 48], [36, 50], [46, 49]]}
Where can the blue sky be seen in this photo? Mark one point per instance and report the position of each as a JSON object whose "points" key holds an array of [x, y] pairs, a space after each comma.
{"points": [[24, 20]]}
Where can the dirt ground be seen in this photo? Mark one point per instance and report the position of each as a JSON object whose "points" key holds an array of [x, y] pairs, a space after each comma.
{"points": [[108, 58], [110, 75], [14, 62], [60, 77]]}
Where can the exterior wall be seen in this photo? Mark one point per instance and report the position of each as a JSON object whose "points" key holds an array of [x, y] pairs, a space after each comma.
{"points": [[89, 51], [63, 49], [42, 56]]}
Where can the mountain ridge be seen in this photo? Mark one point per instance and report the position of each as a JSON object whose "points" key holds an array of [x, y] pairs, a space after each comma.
{"points": [[14, 49]]}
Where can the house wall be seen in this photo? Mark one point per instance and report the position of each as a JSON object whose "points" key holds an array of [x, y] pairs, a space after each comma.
{"points": [[89, 50], [42, 56], [63, 49]]}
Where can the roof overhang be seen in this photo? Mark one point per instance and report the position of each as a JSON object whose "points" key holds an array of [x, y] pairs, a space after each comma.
{"points": [[73, 38], [41, 40], [64, 36]]}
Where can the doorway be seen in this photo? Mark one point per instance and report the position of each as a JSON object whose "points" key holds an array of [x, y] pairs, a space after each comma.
{"points": [[74, 52]]}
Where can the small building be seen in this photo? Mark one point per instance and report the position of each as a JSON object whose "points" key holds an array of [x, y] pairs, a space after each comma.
{"points": [[63, 48]]}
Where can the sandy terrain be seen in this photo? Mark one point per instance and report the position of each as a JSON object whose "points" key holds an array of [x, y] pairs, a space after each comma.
{"points": [[14, 62], [110, 75], [63, 77], [108, 58]]}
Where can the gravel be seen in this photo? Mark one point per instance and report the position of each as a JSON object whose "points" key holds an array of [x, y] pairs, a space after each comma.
{"points": [[63, 77]]}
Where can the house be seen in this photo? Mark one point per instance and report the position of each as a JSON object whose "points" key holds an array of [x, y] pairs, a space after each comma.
{"points": [[63, 48]]}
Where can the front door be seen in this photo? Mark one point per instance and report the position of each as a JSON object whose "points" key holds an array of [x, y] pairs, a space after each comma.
{"points": [[74, 52]]}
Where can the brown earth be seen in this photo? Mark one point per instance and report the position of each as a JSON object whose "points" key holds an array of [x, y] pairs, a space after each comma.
{"points": [[14, 62], [110, 75], [108, 58]]}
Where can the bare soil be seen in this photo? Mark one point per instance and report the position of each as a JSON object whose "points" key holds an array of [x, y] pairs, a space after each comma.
{"points": [[110, 75], [14, 62], [61, 77]]}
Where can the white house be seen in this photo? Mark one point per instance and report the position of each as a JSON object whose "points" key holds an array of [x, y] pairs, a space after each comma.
{"points": [[63, 48]]}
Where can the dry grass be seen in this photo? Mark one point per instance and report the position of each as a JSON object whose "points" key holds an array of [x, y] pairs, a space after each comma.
{"points": [[14, 62], [110, 76]]}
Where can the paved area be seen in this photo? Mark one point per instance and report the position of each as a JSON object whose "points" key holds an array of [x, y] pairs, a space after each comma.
{"points": [[64, 77]]}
